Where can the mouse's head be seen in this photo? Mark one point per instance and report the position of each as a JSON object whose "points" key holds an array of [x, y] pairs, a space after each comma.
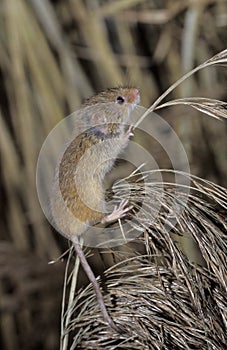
{"points": [[113, 105]]}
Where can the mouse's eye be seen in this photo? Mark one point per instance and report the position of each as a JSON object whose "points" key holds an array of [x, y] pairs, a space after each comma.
{"points": [[120, 100]]}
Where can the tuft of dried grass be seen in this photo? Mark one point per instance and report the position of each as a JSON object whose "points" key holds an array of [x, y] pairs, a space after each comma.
{"points": [[162, 300]]}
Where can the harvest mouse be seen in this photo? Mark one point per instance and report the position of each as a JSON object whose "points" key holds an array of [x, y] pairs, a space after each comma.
{"points": [[78, 196]]}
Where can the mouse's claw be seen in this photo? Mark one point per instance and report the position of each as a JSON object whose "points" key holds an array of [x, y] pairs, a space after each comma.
{"points": [[129, 132], [118, 212]]}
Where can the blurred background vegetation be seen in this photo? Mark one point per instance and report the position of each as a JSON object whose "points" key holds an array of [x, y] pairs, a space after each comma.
{"points": [[53, 55]]}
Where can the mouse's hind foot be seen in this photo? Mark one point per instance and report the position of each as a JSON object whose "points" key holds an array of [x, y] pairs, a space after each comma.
{"points": [[118, 212]]}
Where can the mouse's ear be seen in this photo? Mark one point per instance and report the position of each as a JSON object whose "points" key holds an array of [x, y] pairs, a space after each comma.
{"points": [[98, 121], [98, 117]]}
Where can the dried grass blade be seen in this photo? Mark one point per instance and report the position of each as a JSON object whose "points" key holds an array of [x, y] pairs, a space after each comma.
{"points": [[214, 108], [219, 58], [114, 7]]}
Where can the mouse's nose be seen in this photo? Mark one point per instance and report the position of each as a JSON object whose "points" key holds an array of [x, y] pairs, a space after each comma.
{"points": [[135, 96]]}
